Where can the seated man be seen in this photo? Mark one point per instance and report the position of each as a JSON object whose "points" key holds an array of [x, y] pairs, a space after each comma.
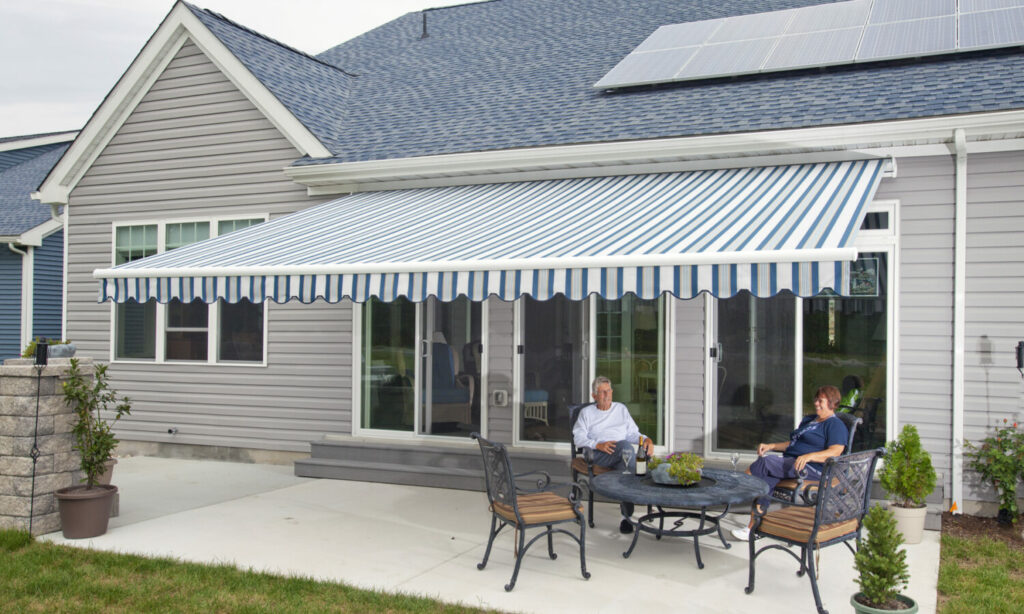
{"points": [[818, 438], [608, 429]]}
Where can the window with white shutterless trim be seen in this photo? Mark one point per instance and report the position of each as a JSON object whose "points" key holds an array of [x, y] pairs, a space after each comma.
{"points": [[194, 332]]}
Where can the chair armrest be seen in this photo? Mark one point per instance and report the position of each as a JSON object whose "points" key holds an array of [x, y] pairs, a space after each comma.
{"points": [[542, 482], [577, 490]]}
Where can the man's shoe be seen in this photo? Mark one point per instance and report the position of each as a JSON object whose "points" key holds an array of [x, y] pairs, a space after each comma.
{"points": [[741, 534], [625, 527]]}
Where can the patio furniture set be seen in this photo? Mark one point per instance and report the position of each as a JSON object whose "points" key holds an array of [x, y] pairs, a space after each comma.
{"points": [[814, 514]]}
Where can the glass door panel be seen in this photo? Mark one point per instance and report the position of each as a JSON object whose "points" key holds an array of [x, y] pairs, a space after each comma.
{"points": [[389, 365], [554, 367], [631, 353], [845, 345], [756, 364], [450, 389]]}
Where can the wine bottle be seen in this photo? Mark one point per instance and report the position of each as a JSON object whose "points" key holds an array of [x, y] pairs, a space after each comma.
{"points": [[641, 458]]}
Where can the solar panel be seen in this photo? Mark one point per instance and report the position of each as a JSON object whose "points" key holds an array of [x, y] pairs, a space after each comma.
{"points": [[739, 57], [820, 35], [887, 11], [744, 27], [815, 49], [649, 67], [992, 28], [908, 38], [830, 17], [679, 35], [973, 6]]}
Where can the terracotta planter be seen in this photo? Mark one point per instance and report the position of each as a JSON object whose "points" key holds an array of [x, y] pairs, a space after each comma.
{"points": [[860, 607], [84, 511], [909, 522]]}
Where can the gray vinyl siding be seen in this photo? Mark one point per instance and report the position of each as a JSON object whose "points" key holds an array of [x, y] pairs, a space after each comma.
{"points": [[48, 286], [691, 362], [995, 292], [500, 361], [10, 303], [196, 147], [925, 190]]}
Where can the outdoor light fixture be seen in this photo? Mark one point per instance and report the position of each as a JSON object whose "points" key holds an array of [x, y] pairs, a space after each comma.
{"points": [[41, 356], [42, 349], [1020, 357]]}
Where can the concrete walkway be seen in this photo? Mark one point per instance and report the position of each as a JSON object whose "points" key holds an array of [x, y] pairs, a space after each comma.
{"points": [[427, 541]]}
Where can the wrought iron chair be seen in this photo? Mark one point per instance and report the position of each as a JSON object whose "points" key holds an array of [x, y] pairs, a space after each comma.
{"points": [[582, 463], [524, 509], [798, 491], [836, 517]]}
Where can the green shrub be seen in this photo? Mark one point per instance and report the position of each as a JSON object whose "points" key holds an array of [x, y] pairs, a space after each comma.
{"points": [[1000, 461], [908, 474], [879, 560]]}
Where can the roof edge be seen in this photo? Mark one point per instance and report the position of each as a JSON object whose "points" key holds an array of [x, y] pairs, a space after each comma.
{"points": [[38, 140], [921, 136]]}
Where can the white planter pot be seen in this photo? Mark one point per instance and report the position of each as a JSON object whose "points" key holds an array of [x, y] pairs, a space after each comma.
{"points": [[909, 522]]}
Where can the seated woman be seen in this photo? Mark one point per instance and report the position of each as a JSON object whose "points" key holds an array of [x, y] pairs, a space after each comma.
{"points": [[817, 438]]}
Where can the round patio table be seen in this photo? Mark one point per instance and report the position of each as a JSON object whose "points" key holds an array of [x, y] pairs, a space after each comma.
{"points": [[717, 487]]}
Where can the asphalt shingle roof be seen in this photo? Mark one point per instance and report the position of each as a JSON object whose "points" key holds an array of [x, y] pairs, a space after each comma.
{"points": [[18, 212], [519, 73]]}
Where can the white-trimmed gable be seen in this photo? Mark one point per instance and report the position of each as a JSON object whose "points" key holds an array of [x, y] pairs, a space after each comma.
{"points": [[179, 27]]}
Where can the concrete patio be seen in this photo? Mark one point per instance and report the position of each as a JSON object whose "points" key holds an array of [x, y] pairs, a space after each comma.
{"points": [[427, 541]]}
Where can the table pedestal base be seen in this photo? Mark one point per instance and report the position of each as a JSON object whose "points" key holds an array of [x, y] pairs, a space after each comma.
{"points": [[707, 525]]}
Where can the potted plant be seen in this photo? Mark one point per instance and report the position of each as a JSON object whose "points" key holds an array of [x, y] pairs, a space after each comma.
{"points": [[881, 566], [57, 348], [909, 477], [681, 468], [85, 509], [1000, 461]]}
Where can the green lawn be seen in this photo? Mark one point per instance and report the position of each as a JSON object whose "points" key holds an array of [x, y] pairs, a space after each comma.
{"points": [[980, 575], [42, 577]]}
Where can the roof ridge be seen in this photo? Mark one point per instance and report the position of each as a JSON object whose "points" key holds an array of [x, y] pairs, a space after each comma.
{"points": [[267, 38]]}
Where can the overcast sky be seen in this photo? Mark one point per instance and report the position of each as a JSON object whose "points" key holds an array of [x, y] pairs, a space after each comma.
{"points": [[59, 58]]}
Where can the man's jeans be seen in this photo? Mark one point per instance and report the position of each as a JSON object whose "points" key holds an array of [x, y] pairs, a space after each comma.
{"points": [[617, 463]]}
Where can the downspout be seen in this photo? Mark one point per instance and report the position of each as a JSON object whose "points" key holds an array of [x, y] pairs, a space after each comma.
{"points": [[959, 318], [26, 294]]}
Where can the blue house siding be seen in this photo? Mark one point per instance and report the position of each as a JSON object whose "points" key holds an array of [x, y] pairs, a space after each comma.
{"points": [[10, 303], [47, 290]]}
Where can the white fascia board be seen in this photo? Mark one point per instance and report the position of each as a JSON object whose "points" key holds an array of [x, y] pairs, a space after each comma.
{"points": [[38, 141], [497, 264], [35, 236], [925, 136], [179, 26]]}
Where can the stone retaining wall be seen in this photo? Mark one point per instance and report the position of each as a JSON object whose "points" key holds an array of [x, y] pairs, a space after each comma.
{"points": [[57, 465]]}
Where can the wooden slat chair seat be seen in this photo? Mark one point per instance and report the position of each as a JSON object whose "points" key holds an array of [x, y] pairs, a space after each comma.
{"points": [[580, 465], [796, 523], [798, 491], [835, 518], [523, 509], [539, 508]]}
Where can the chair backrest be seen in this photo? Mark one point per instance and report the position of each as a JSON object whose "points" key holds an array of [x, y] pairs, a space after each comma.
{"points": [[445, 366], [845, 488], [497, 473], [574, 414], [852, 422]]}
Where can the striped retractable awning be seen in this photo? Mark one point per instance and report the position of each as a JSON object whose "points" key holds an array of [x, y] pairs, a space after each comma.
{"points": [[764, 229]]}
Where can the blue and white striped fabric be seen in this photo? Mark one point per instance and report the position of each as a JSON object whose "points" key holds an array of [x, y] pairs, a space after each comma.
{"points": [[764, 229]]}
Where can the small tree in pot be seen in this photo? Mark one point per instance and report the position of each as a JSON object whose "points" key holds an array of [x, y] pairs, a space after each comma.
{"points": [[909, 477], [85, 510], [882, 566]]}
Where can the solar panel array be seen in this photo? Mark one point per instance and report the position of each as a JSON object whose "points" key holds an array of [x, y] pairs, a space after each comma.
{"points": [[820, 35]]}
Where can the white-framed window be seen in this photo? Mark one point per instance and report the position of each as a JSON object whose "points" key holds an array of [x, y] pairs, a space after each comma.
{"points": [[193, 332]]}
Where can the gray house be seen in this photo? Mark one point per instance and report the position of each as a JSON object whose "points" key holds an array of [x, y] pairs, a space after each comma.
{"points": [[32, 239], [453, 222]]}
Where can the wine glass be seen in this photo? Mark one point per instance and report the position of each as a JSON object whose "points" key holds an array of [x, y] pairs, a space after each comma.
{"points": [[628, 454], [735, 458]]}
